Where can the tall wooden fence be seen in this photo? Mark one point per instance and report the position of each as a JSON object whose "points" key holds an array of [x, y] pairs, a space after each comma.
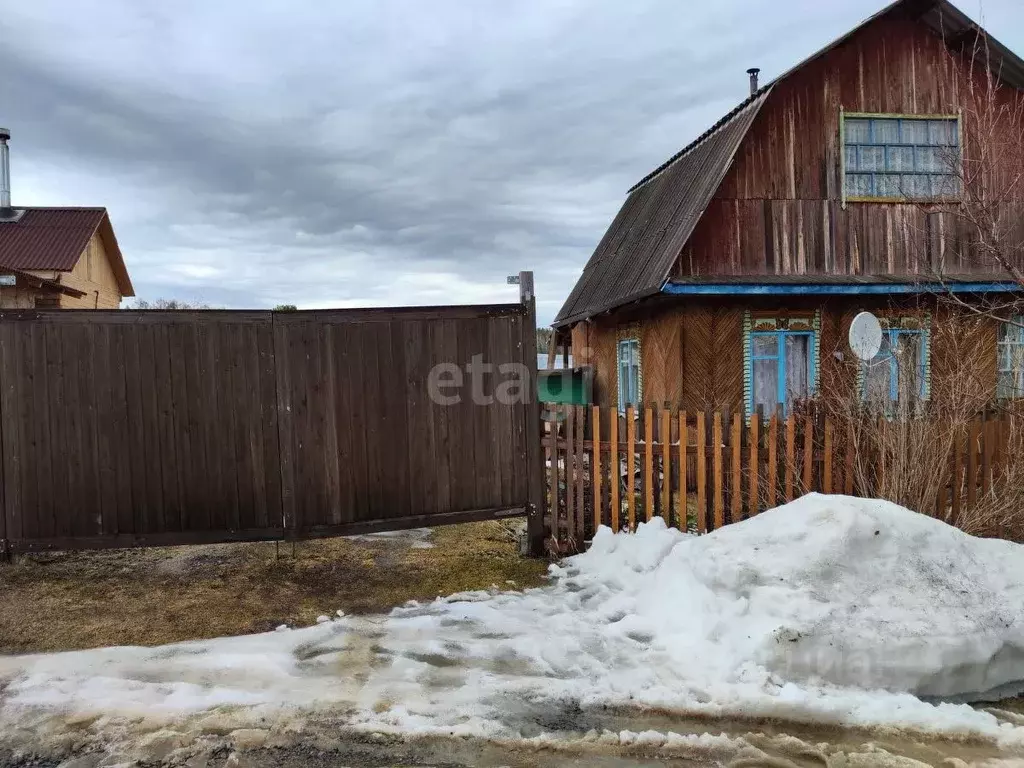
{"points": [[701, 471], [144, 427]]}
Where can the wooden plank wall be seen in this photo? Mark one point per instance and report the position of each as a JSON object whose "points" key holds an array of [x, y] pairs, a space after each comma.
{"points": [[367, 446], [145, 428], [137, 428]]}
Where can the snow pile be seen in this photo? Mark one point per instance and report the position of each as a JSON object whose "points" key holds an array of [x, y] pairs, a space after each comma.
{"points": [[826, 589], [830, 609]]}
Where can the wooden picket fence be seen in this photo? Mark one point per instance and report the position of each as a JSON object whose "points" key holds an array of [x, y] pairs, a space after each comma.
{"points": [[669, 466]]}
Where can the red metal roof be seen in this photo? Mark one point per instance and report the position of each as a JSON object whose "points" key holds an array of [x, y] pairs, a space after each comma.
{"points": [[48, 238], [54, 238]]}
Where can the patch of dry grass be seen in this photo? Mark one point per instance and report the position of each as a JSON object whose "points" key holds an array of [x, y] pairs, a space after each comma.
{"points": [[78, 600]]}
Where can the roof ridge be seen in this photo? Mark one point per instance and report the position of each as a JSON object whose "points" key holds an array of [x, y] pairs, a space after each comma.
{"points": [[727, 117]]}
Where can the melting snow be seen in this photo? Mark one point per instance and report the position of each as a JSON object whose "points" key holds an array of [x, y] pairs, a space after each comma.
{"points": [[829, 609]]}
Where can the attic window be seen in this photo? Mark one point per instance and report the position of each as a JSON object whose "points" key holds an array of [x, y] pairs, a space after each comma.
{"points": [[894, 158]]}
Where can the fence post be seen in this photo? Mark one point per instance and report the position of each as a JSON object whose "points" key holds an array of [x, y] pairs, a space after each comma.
{"points": [[534, 456]]}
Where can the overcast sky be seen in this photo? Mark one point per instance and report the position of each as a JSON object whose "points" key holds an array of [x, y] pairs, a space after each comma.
{"points": [[367, 152]]}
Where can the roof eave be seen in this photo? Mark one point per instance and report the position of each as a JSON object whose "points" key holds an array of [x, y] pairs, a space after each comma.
{"points": [[114, 256]]}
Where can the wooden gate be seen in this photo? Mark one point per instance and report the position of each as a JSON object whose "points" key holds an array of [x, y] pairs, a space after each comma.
{"points": [[130, 428]]}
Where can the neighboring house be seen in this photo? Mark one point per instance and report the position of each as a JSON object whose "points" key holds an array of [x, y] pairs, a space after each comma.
{"points": [[57, 258], [64, 258], [731, 273]]}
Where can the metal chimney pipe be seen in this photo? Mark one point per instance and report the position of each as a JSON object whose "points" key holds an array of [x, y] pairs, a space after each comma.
{"points": [[5, 171], [753, 72]]}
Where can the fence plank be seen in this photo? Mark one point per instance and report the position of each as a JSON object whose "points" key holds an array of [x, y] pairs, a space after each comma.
{"points": [[790, 456], [570, 475], [614, 472], [827, 458], [631, 468], [972, 464], [772, 461], [848, 466], [737, 461], [648, 464], [987, 443], [683, 495], [753, 463], [579, 533], [666, 466], [702, 469], [595, 478], [956, 488], [716, 468], [808, 463]]}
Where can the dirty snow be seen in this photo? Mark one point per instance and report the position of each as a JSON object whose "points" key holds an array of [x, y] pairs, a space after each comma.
{"points": [[829, 609], [416, 538]]}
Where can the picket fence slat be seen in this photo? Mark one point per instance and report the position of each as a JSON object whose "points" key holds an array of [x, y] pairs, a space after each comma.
{"points": [[666, 466], [596, 420], [826, 480], [737, 460], [808, 453], [648, 465], [790, 455], [683, 492], [570, 450], [579, 531], [773, 460], [972, 464], [702, 471], [614, 474], [631, 467], [753, 465], [716, 421]]}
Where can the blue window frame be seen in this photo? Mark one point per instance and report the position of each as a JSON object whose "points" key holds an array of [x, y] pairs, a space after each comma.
{"points": [[629, 373], [898, 372], [781, 368], [893, 158], [1010, 344]]}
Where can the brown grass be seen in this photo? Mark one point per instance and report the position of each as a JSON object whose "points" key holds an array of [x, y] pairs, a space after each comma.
{"points": [[68, 601]]}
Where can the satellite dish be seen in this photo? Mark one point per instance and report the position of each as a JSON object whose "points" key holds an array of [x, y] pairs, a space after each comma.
{"points": [[865, 336]]}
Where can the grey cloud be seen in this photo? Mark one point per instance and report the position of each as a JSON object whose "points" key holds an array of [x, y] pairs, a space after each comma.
{"points": [[377, 152]]}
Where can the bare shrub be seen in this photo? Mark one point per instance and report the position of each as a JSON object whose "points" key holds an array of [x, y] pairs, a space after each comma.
{"points": [[904, 448]]}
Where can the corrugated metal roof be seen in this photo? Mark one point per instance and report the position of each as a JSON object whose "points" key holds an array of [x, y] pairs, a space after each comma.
{"points": [[54, 238], [48, 238], [635, 255]]}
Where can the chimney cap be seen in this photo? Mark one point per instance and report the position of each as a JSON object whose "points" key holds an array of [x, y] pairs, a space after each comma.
{"points": [[4, 134], [751, 71]]}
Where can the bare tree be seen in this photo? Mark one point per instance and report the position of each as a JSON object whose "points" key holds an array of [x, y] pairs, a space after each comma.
{"points": [[980, 227], [167, 304]]}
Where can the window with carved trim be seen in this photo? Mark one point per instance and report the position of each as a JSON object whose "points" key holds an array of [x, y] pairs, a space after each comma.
{"points": [[629, 373], [1010, 344]]}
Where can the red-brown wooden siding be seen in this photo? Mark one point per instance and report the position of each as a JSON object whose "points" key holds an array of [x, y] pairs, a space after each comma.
{"points": [[778, 211]]}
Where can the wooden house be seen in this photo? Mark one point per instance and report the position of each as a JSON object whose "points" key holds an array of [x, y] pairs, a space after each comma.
{"points": [[730, 275], [65, 258], [57, 257]]}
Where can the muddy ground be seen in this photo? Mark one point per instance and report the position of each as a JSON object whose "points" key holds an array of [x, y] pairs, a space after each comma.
{"points": [[324, 742], [69, 601]]}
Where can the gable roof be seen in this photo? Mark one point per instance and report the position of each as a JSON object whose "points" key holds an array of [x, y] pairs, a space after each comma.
{"points": [[54, 238], [636, 254]]}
